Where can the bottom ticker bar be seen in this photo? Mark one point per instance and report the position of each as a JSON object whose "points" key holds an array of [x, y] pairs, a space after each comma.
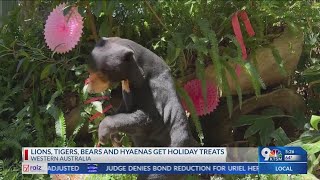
{"points": [[164, 168], [153, 168]]}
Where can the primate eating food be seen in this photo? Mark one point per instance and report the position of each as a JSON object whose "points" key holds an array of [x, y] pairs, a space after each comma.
{"points": [[155, 117]]}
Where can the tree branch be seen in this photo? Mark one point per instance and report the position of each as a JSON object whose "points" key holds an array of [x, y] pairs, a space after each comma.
{"points": [[155, 14], [91, 22]]}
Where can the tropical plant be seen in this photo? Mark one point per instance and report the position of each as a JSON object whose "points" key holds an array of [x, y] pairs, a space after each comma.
{"points": [[40, 88]]}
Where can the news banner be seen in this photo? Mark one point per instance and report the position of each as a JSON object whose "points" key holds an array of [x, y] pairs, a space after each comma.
{"points": [[209, 160]]}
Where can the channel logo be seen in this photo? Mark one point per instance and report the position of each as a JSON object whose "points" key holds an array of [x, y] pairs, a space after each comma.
{"points": [[92, 168], [25, 168], [271, 155], [34, 168]]}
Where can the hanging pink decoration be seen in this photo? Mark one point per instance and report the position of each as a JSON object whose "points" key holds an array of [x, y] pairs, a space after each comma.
{"points": [[193, 89], [63, 32]]}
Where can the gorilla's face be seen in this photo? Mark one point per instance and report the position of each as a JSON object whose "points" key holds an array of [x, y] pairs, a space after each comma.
{"points": [[112, 59]]}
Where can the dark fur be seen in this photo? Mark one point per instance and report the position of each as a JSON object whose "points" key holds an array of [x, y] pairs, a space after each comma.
{"points": [[157, 117]]}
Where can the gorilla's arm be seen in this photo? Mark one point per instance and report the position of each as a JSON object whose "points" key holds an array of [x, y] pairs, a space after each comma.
{"points": [[128, 123]]}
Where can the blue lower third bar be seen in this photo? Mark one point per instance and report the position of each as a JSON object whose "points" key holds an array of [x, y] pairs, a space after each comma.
{"points": [[283, 168], [153, 168], [177, 168]]}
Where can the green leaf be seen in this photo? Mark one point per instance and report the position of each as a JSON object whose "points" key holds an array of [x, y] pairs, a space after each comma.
{"points": [[20, 63], [310, 133], [105, 29], [98, 8], [252, 130], [97, 106], [85, 92], [262, 124], [191, 12], [54, 96], [109, 6], [254, 60], [312, 38], [226, 90], [268, 113], [45, 72], [235, 42], [299, 119], [235, 79], [307, 137], [200, 73], [255, 78], [247, 120], [314, 121], [312, 148], [25, 66], [60, 126], [178, 40], [280, 137], [204, 26], [213, 52], [312, 71], [192, 177], [172, 53], [59, 86], [23, 112], [192, 110], [40, 131], [266, 128], [200, 44], [79, 126], [315, 161], [23, 54], [66, 10], [273, 111], [31, 69], [231, 70], [279, 60], [146, 25]]}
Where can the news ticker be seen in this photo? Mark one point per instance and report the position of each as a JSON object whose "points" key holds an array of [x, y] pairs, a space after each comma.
{"points": [[201, 160]]}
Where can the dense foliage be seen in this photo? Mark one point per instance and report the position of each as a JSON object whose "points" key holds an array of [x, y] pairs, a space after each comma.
{"points": [[39, 88]]}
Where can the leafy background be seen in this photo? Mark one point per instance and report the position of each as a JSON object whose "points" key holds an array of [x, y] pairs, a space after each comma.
{"points": [[39, 89]]}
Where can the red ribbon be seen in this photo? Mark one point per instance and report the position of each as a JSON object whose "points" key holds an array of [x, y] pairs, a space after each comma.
{"points": [[96, 115], [237, 31]]}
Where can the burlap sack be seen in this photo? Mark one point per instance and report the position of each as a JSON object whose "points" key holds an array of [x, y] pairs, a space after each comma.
{"points": [[289, 46]]}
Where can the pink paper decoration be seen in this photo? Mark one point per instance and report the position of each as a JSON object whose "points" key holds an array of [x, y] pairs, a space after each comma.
{"points": [[193, 89], [62, 33]]}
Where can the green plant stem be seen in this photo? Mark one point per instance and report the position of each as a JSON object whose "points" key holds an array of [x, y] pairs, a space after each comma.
{"points": [[91, 22], [155, 14]]}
